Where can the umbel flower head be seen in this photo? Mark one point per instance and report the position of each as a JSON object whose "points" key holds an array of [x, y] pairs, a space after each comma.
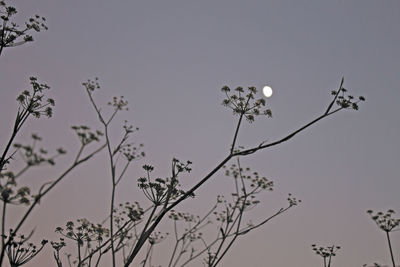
{"points": [[325, 252], [243, 103], [34, 102], [162, 190], [385, 221], [19, 250], [13, 34]]}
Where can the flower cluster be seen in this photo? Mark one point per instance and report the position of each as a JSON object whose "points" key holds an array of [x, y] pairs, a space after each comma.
{"points": [[19, 250], [84, 231], [34, 102], [162, 190], [385, 221], [33, 156], [183, 216], [85, 135], [12, 34], [91, 85], [325, 252], [255, 179], [293, 201], [57, 246], [157, 237], [119, 103], [133, 212], [8, 191], [129, 150], [346, 101], [248, 184], [244, 103]]}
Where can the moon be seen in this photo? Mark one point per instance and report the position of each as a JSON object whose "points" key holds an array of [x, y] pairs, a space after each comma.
{"points": [[267, 91]]}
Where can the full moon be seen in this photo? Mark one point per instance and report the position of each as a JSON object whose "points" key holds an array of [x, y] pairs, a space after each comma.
{"points": [[267, 91]]}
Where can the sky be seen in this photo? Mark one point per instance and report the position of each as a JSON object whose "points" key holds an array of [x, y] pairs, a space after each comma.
{"points": [[170, 59]]}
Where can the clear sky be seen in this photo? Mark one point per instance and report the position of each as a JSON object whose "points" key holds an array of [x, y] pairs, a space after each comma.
{"points": [[170, 59]]}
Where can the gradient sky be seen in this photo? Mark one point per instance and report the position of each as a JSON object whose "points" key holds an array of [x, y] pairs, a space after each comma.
{"points": [[170, 59]]}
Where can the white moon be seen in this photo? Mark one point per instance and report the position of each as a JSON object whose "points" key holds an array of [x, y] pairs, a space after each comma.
{"points": [[267, 91]]}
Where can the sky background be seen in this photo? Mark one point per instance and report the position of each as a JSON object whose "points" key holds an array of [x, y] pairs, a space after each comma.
{"points": [[170, 59]]}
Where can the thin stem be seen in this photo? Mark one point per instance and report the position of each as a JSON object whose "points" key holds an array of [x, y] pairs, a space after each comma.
{"points": [[238, 220], [3, 221], [112, 193], [288, 137], [53, 184], [106, 242], [111, 223], [147, 255], [17, 126], [98, 259], [390, 248], [146, 234], [79, 254], [236, 133], [3, 32], [177, 240], [238, 126], [143, 237]]}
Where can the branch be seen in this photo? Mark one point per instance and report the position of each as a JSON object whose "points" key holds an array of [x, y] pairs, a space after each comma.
{"points": [[190, 192]]}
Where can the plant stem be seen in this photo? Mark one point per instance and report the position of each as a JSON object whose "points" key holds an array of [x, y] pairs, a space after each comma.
{"points": [[3, 221], [390, 248]]}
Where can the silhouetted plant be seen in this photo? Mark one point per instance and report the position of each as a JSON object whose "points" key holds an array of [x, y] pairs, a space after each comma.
{"points": [[84, 234], [11, 34], [124, 148], [226, 219], [33, 102], [386, 223], [19, 250], [57, 246], [326, 253], [129, 227]]}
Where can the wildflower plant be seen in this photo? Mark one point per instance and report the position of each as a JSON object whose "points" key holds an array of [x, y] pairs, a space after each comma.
{"points": [[34, 103], [187, 233], [123, 149], [231, 219], [243, 103], [162, 191], [11, 34], [31, 103], [326, 253], [227, 219], [57, 246], [387, 223], [155, 238], [130, 227], [85, 235], [19, 251]]}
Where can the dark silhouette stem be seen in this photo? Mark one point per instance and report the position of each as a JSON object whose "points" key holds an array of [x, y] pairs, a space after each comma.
{"points": [[236, 133], [53, 184], [3, 221], [390, 248], [110, 153]]}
